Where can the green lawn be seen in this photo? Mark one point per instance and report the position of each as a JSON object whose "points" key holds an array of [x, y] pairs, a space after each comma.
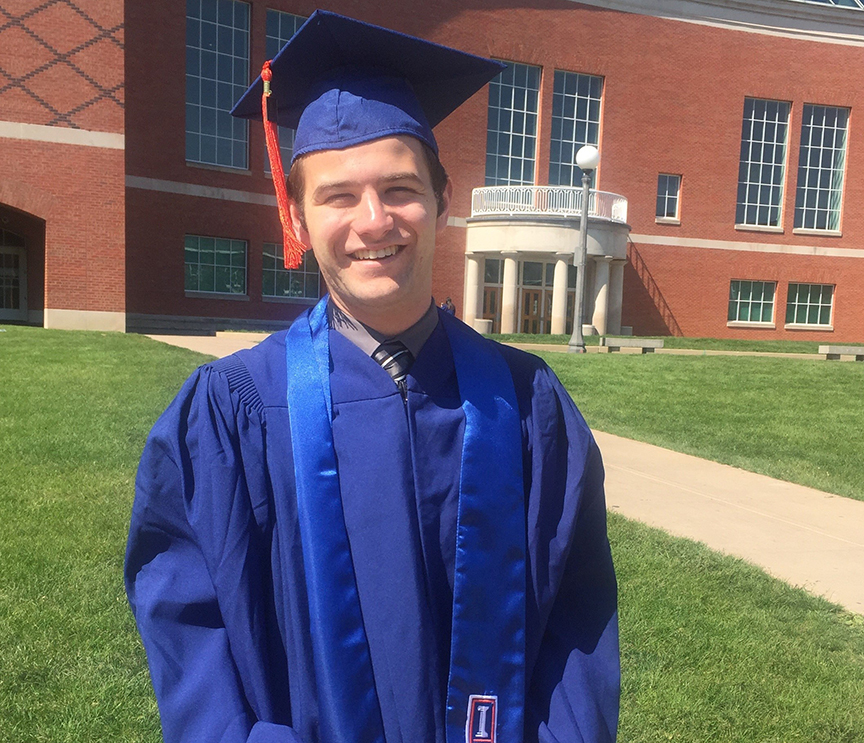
{"points": [[670, 341], [75, 409], [713, 649], [794, 419]]}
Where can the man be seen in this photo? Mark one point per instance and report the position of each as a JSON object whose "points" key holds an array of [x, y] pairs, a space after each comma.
{"points": [[378, 526]]}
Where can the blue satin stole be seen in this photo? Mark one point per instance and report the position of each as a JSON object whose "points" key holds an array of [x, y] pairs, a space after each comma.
{"points": [[487, 656]]}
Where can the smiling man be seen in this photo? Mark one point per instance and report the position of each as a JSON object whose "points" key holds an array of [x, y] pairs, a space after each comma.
{"points": [[371, 219], [376, 527]]}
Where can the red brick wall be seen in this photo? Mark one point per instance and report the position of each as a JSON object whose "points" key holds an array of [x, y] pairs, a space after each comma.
{"points": [[63, 65], [673, 102], [685, 291], [78, 193]]}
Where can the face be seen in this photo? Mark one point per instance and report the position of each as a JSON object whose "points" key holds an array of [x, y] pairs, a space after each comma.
{"points": [[371, 218]]}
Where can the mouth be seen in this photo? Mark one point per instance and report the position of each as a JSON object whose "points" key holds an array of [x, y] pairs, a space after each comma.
{"points": [[376, 255]]}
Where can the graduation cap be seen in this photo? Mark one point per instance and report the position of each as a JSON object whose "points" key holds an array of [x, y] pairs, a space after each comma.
{"points": [[341, 82]]}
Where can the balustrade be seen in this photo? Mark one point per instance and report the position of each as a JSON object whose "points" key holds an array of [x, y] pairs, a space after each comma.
{"points": [[559, 201]]}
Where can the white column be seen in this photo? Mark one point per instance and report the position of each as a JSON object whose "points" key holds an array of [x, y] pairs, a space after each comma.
{"points": [[509, 294], [616, 296], [601, 294], [472, 290], [559, 294]]}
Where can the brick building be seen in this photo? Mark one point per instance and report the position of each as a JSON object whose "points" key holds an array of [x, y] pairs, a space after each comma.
{"points": [[130, 198]]}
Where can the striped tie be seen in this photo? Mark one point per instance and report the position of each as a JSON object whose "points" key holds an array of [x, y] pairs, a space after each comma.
{"points": [[396, 360]]}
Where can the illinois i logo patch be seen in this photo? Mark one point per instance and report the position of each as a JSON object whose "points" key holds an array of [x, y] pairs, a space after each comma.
{"points": [[482, 718]]}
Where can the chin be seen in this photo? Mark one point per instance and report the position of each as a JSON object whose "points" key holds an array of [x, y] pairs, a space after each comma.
{"points": [[382, 295]]}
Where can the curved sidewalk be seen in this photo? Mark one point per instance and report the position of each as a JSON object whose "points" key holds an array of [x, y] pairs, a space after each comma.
{"points": [[805, 537]]}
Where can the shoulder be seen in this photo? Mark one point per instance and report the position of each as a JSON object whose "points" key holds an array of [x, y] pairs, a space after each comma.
{"points": [[256, 376], [543, 399]]}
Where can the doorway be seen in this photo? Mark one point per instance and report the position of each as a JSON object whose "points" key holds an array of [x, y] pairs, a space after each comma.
{"points": [[13, 277]]}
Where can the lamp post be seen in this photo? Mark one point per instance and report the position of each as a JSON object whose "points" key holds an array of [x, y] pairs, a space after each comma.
{"points": [[587, 158]]}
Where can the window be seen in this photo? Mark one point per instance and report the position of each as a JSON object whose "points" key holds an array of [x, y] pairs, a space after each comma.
{"points": [[809, 304], [280, 28], [215, 264], [751, 301], [821, 162], [763, 160], [493, 271], [575, 122], [217, 73], [511, 134], [303, 282], [668, 190]]}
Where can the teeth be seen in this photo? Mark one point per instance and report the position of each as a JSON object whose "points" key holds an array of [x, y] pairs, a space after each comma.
{"points": [[368, 255]]}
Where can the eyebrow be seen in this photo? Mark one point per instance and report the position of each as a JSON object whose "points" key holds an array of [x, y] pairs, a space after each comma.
{"points": [[390, 178]]}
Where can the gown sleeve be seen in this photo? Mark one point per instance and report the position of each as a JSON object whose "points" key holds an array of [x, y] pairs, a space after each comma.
{"points": [[574, 676], [192, 530]]}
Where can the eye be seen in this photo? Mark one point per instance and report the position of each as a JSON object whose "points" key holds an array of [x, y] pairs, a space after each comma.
{"points": [[402, 193], [340, 199]]}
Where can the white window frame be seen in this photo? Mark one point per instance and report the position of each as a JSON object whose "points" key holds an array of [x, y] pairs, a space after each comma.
{"points": [[665, 195], [796, 324], [217, 63], [577, 102], [231, 266], [308, 268], [821, 169], [750, 303], [764, 129], [511, 129]]}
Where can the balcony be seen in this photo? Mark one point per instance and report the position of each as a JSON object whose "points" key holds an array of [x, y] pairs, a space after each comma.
{"points": [[545, 220], [550, 201]]}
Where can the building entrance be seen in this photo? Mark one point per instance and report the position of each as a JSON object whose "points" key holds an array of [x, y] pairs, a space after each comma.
{"points": [[535, 290], [13, 277]]}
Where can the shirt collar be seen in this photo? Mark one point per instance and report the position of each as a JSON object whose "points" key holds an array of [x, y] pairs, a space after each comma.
{"points": [[367, 339]]}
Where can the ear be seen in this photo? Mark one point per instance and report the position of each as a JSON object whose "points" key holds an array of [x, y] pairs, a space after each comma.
{"points": [[298, 223], [447, 196]]}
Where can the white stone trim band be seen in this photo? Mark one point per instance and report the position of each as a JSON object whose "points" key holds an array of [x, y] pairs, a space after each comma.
{"points": [[85, 320], [194, 189], [693, 242], [62, 135]]}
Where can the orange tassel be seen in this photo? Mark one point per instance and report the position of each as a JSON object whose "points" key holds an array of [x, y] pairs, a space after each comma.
{"points": [[292, 248]]}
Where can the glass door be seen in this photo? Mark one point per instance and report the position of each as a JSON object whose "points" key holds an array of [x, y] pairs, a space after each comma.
{"points": [[13, 277]]}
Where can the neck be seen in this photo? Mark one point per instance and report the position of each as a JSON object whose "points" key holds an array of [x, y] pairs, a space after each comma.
{"points": [[386, 320]]}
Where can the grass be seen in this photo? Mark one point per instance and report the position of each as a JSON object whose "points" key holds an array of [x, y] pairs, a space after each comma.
{"points": [[794, 419], [715, 650], [712, 649], [671, 341], [74, 412]]}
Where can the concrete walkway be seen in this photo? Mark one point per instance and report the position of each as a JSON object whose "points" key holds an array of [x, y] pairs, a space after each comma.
{"points": [[559, 348], [222, 344], [808, 538]]}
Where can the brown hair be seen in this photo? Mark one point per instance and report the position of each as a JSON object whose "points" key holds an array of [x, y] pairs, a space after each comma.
{"points": [[437, 174]]}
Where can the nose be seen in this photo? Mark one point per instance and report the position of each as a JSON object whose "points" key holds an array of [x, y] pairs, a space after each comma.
{"points": [[373, 219]]}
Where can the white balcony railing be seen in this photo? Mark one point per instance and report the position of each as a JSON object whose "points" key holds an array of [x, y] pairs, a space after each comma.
{"points": [[557, 201]]}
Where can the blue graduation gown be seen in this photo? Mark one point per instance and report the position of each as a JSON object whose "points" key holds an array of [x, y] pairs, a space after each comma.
{"points": [[214, 566]]}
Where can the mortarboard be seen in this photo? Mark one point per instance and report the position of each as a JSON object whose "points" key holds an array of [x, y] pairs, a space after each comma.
{"points": [[341, 82]]}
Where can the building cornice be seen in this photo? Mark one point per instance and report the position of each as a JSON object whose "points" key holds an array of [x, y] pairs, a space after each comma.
{"points": [[794, 19]]}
